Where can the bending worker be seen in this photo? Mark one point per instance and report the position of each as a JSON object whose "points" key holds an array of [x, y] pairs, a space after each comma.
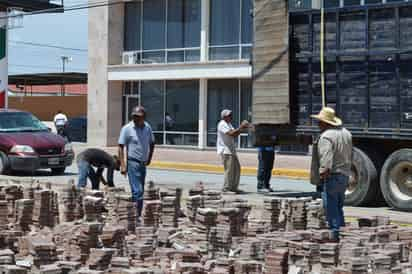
{"points": [[96, 158]]}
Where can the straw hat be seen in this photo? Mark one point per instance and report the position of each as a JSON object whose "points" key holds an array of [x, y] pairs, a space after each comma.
{"points": [[328, 116]]}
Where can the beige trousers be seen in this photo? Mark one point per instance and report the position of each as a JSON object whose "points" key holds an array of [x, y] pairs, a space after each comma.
{"points": [[232, 172]]}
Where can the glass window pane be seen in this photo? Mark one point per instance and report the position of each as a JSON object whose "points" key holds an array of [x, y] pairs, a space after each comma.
{"points": [[182, 139], [246, 100], [351, 3], [382, 29], [211, 139], [371, 2], [127, 88], [154, 25], [226, 53], [158, 138], [153, 57], [152, 100], [132, 19], [353, 31], [183, 23], [192, 55], [222, 94], [175, 56], [299, 4], [131, 102], [405, 26], [247, 52], [331, 3], [135, 89], [247, 21], [224, 22], [182, 106]]}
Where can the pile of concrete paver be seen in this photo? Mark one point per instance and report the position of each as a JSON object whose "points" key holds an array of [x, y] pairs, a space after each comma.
{"points": [[58, 231]]}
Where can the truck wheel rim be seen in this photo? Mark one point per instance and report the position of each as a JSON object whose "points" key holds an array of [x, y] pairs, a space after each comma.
{"points": [[353, 181], [400, 180]]}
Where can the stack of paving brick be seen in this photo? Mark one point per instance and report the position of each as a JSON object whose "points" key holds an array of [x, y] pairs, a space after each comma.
{"points": [[87, 237], [192, 204], [315, 215], [380, 263], [100, 258], [151, 192], [244, 211], [24, 214], [252, 249], [248, 267], [304, 254], [13, 269], [120, 262], [125, 212], [212, 199], [220, 241], [295, 213], [170, 211], [271, 212], [93, 208], [276, 261], [257, 227], [4, 212], [68, 198], [12, 194], [151, 213], [7, 257], [55, 207], [28, 192], [142, 245], [50, 269], [232, 219], [329, 256], [43, 251], [43, 213], [206, 219], [114, 237], [357, 265]]}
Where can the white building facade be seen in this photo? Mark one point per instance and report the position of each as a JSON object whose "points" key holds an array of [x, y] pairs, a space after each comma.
{"points": [[183, 60]]}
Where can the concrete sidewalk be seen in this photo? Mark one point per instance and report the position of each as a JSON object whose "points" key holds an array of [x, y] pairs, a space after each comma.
{"points": [[291, 166]]}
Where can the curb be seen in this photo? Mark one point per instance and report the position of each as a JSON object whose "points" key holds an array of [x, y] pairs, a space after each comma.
{"points": [[205, 168]]}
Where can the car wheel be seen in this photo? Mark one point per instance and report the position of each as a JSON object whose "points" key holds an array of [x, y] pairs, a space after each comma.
{"points": [[4, 163], [58, 170]]}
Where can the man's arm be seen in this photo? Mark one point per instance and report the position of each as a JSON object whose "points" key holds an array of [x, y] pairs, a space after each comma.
{"points": [[122, 160], [149, 161], [325, 148], [236, 132]]}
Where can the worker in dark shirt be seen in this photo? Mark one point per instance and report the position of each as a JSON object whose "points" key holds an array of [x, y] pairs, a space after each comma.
{"points": [[96, 158]]}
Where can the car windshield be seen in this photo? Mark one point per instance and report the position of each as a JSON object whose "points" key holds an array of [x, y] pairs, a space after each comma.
{"points": [[20, 122]]}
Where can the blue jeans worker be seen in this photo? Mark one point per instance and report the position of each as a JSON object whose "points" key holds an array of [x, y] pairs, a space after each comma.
{"points": [[335, 160], [266, 157], [93, 158], [136, 147]]}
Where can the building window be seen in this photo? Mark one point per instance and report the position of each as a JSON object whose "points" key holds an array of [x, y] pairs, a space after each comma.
{"points": [[172, 109], [230, 29], [228, 94], [160, 31]]}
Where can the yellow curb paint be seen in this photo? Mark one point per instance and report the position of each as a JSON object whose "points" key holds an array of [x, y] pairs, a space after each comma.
{"points": [[280, 172]]}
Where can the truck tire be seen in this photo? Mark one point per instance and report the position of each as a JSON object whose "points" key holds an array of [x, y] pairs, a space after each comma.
{"points": [[396, 180], [363, 184]]}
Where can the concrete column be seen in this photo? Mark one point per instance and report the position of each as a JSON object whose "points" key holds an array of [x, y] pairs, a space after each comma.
{"points": [[104, 97], [202, 113], [204, 32]]}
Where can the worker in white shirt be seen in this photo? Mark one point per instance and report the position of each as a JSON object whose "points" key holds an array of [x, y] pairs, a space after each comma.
{"points": [[60, 120]]}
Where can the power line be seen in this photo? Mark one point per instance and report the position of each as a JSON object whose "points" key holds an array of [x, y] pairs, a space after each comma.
{"points": [[46, 45], [41, 67], [69, 8]]}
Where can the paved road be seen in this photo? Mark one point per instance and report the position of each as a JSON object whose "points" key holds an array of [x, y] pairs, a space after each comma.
{"points": [[185, 180]]}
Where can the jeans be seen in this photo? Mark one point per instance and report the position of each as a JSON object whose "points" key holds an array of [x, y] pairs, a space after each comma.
{"points": [[137, 174], [333, 197], [87, 171], [266, 160]]}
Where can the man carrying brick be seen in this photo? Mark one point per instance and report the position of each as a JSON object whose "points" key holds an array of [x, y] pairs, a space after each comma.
{"points": [[226, 148], [335, 160]]}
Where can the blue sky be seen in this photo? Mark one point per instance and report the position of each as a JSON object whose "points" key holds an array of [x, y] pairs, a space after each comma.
{"points": [[66, 30]]}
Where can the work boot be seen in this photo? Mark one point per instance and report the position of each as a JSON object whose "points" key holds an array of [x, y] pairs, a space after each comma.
{"points": [[263, 190]]}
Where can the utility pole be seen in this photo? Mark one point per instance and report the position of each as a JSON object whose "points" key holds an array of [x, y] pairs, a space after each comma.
{"points": [[65, 59]]}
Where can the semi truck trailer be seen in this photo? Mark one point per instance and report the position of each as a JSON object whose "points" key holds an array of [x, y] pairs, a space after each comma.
{"points": [[367, 72]]}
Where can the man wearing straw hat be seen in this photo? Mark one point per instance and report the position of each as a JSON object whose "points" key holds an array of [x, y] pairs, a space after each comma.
{"points": [[335, 158]]}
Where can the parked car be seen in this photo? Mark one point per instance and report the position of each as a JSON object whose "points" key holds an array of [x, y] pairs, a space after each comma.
{"points": [[76, 129], [26, 144]]}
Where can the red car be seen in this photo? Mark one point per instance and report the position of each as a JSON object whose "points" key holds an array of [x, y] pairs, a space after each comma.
{"points": [[26, 144]]}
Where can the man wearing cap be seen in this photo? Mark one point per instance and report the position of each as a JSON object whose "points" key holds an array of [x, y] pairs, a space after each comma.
{"points": [[335, 160], [226, 148], [138, 140]]}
